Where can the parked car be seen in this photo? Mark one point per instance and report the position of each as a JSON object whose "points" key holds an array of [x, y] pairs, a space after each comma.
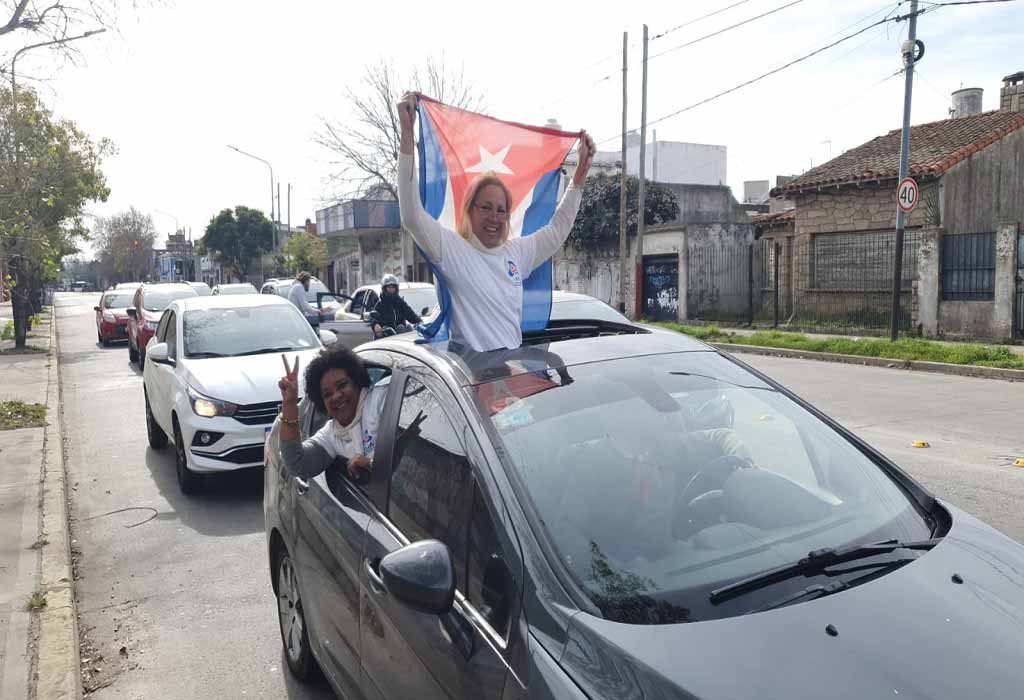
{"points": [[211, 382], [147, 306], [282, 287], [239, 288], [112, 315], [202, 288], [611, 511]]}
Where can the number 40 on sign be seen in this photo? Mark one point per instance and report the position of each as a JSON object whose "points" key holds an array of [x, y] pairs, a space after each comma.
{"points": [[906, 194]]}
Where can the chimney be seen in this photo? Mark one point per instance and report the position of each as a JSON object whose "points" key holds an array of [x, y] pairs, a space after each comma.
{"points": [[1011, 97], [966, 101]]}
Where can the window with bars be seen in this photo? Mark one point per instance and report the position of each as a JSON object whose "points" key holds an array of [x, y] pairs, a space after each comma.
{"points": [[968, 267]]}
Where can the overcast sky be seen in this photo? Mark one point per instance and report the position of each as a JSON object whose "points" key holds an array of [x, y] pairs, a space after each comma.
{"points": [[181, 81]]}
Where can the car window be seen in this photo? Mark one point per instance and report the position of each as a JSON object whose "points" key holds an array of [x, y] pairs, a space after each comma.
{"points": [[116, 301], [582, 309], [431, 478], [357, 302], [158, 299], [371, 299], [161, 330], [171, 334], [490, 587]]}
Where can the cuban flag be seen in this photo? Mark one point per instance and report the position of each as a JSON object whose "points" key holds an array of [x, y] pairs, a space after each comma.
{"points": [[454, 147]]}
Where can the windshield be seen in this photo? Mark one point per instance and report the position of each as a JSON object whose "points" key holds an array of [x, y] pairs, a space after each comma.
{"points": [[660, 478], [247, 330], [154, 300], [240, 289], [583, 309], [315, 287], [420, 298], [117, 301]]}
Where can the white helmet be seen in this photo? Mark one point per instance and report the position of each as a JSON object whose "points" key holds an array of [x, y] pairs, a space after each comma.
{"points": [[388, 280]]}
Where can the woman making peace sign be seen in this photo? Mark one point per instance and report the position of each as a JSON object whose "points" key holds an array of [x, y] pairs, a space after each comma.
{"points": [[338, 383], [483, 268]]}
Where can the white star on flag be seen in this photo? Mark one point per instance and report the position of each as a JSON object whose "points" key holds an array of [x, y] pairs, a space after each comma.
{"points": [[492, 161]]}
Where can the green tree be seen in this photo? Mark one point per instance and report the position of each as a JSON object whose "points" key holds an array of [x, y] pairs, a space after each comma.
{"points": [[124, 243], [305, 251], [597, 224], [237, 238], [49, 172]]}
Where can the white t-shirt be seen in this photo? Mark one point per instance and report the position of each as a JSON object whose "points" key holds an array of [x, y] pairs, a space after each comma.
{"points": [[486, 284], [359, 437]]}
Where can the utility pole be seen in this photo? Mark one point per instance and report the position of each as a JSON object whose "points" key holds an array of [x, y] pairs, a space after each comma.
{"points": [[277, 226], [289, 224], [910, 57], [623, 199], [641, 210]]}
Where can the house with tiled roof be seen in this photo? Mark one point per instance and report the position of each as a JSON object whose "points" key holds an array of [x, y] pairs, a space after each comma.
{"points": [[962, 264]]}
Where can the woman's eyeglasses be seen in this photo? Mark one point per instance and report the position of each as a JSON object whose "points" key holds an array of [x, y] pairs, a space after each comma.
{"points": [[488, 210]]}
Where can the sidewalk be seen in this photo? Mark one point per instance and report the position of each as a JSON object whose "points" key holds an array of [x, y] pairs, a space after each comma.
{"points": [[23, 377], [38, 650]]}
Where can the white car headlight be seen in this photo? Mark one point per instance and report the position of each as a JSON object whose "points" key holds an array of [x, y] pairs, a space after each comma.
{"points": [[208, 407]]}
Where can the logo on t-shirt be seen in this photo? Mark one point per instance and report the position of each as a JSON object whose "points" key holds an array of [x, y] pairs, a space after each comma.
{"points": [[513, 273]]}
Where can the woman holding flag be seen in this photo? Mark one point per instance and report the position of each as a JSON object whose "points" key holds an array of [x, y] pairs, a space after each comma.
{"points": [[483, 267]]}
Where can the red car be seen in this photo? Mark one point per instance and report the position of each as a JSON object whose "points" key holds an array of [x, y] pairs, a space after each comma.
{"points": [[112, 315], [145, 312]]}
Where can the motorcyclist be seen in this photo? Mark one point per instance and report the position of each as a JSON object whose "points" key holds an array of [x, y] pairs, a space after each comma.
{"points": [[392, 312]]}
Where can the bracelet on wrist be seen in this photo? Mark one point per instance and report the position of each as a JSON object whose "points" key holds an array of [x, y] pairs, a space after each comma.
{"points": [[289, 421]]}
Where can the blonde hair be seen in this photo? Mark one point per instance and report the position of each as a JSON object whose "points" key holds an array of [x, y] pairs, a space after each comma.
{"points": [[465, 228]]}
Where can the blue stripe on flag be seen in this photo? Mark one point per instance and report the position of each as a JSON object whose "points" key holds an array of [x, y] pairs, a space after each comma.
{"points": [[433, 187], [537, 287]]}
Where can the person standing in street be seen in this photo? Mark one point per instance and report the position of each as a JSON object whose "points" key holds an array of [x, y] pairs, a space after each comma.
{"points": [[297, 296]]}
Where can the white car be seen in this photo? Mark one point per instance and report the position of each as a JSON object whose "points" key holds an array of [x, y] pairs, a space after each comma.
{"points": [[211, 382], [202, 288], [236, 288]]}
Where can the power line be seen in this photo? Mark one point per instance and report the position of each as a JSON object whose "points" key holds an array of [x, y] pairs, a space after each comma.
{"points": [[773, 71], [698, 19], [726, 29]]}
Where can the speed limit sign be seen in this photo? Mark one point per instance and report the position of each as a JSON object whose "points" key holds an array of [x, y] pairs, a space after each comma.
{"points": [[906, 194]]}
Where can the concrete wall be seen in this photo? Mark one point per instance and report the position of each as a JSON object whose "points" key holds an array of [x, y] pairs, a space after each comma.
{"points": [[703, 204], [966, 319], [985, 189], [717, 267]]}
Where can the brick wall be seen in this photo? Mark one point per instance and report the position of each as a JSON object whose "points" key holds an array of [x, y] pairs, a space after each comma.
{"points": [[864, 209]]}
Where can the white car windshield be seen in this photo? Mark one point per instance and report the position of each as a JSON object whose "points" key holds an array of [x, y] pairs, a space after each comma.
{"points": [[249, 330], [420, 298], [661, 478], [585, 309]]}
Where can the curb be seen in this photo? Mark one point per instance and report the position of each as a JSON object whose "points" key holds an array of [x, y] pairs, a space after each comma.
{"points": [[57, 668], [1010, 375]]}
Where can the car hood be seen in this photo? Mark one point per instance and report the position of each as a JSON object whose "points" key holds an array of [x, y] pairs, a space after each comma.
{"points": [[243, 380], [913, 633]]}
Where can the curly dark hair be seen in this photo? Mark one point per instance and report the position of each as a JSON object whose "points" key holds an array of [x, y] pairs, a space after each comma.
{"points": [[335, 357]]}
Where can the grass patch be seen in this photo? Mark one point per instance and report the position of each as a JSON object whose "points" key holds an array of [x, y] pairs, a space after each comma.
{"points": [[36, 601], [18, 414], [903, 349], [8, 332]]}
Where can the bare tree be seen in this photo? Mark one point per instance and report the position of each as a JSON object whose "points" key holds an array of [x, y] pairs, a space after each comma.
{"points": [[364, 146]]}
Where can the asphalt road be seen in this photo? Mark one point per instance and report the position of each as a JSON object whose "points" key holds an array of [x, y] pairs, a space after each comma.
{"points": [[179, 583], [173, 591]]}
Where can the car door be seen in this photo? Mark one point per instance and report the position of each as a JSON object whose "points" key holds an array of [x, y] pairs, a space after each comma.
{"points": [[434, 493], [162, 374], [331, 516]]}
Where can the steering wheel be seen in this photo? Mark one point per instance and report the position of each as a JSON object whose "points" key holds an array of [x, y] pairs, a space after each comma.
{"points": [[696, 498]]}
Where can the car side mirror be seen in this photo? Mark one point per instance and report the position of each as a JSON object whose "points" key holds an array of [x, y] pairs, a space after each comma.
{"points": [[328, 337], [421, 575], [132, 313], [95, 308], [158, 353]]}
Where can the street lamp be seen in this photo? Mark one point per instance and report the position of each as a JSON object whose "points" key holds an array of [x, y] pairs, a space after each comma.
{"points": [[23, 49], [266, 163]]}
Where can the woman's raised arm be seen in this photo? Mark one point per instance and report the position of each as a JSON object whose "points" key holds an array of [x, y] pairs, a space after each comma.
{"points": [[423, 228]]}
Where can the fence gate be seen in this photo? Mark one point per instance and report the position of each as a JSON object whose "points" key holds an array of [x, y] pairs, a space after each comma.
{"points": [[1019, 316], [661, 287]]}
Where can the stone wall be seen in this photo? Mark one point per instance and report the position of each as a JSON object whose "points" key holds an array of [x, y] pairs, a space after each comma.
{"points": [[869, 208]]}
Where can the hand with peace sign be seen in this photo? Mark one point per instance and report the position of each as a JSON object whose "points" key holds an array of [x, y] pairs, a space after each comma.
{"points": [[289, 386]]}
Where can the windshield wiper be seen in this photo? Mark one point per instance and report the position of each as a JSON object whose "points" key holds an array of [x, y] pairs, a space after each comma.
{"points": [[819, 590], [193, 355], [285, 348], [815, 562]]}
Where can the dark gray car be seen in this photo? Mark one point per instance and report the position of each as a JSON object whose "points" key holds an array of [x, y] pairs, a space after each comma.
{"points": [[618, 512]]}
